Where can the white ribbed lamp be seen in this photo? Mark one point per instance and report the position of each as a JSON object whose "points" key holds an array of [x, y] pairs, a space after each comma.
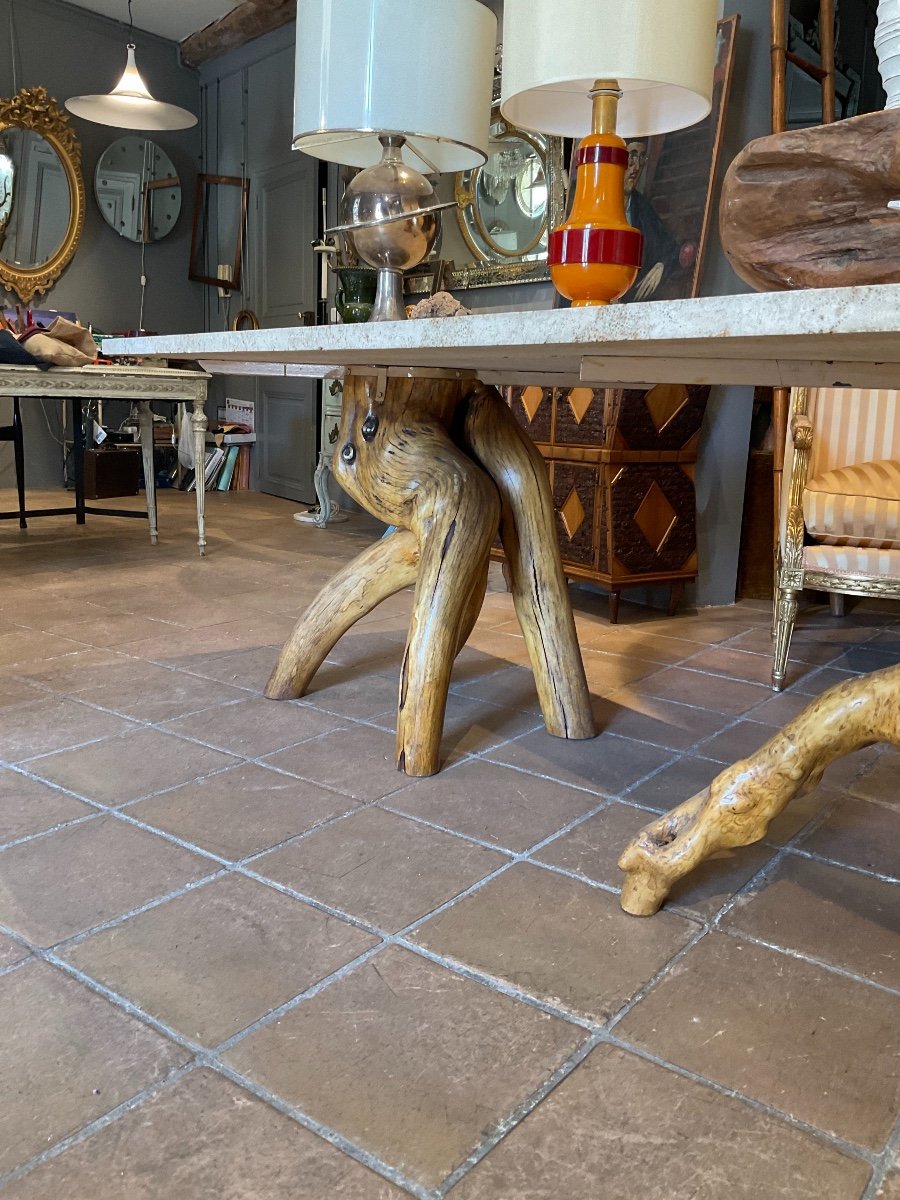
{"points": [[660, 52], [130, 106], [601, 71]]}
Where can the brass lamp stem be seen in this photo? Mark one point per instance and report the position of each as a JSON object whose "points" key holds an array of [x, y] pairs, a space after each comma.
{"points": [[605, 95]]}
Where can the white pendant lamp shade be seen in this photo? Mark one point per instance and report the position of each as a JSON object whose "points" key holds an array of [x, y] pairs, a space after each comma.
{"points": [[130, 106], [421, 68], [660, 52]]}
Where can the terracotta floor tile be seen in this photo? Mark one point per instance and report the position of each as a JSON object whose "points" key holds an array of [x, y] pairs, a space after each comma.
{"points": [[442, 1060], [14, 692], [512, 687], [659, 722], [134, 764], [219, 957], [11, 952], [28, 806], [53, 723], [881, 782], [737, 742], [383, 868], [890, 1189], [29, 647], [860, 834], [809, 649], [604, 764], [780, 708], [208, 1139], [740, 664], [557, 939], [58, 885], [731, 697], [350, 691], [580, 1143], [248, 669], [651, 647], [472, 726], [607, 672], [256, 726], [841, 917], [361, 762], [677, 781], [149, 692], [494, 803], [82, 1057], [814, 683], [804, 1039], [593, 849], [242, 811]]}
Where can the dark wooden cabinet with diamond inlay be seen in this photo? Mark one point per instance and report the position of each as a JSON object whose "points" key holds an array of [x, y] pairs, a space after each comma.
{"points": [[621, 464]]}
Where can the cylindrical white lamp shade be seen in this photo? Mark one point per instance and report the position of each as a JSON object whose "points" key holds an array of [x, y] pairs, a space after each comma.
{"points": [[422, 68], [661, 53]]}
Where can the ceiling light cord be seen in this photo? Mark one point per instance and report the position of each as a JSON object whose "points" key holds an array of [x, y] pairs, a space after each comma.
{"points": [[12, 47]]}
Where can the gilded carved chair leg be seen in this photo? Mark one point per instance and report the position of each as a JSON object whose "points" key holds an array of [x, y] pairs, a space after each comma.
{"points": [[384, 568], [785, 616], [737, 807], [538, 585]]}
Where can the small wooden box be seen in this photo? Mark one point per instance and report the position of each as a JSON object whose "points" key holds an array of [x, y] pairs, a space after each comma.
{"points": [[115, 471]]}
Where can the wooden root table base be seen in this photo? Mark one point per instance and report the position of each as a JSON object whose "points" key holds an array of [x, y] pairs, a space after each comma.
{"points": [[737, 807], [439, 456]]}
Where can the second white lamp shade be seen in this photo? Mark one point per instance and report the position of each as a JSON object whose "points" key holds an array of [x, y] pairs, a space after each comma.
{"points": [[661, 53], [422, 68]]}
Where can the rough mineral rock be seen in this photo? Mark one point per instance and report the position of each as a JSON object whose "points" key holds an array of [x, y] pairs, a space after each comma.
{"points": [[441, 304], [808, 207]]}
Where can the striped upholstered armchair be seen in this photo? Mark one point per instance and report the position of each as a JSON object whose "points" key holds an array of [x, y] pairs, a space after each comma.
{"points": [[840, 505]]}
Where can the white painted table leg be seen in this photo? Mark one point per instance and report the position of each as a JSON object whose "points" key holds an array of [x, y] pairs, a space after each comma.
{"points": [[198, 427], [145, 421]]}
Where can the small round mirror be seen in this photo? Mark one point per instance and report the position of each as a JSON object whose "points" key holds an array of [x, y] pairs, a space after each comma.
{"points": [[138, 189]]}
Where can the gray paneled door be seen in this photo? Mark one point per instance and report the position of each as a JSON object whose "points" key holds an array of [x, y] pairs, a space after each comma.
{"points": [[283, 210]]}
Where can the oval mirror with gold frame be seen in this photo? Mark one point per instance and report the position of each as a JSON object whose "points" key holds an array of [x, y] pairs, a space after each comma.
{"points": [[508, 205], [41, 192]]}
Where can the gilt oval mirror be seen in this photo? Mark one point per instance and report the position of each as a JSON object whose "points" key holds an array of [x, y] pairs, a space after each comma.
{"points": [[508, 205], [41, 192], [137, 189]]}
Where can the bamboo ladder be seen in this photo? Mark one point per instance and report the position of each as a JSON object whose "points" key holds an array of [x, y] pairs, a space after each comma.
{"points": [[824, 74]]}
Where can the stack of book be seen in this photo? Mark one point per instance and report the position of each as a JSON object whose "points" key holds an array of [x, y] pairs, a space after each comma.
{"points": [[225, 468]]}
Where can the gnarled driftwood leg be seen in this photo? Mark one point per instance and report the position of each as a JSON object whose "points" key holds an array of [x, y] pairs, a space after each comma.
{"points": [[535, 569], [737, 807], [383, 569], [473, 606], [397, 459]]}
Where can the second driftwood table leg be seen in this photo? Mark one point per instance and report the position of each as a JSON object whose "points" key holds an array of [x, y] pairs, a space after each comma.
{"points": [[437, 456], [737, 807]]}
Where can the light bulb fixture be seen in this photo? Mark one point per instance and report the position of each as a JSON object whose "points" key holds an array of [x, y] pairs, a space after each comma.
{"points": [[130, 105], [604, 69]]}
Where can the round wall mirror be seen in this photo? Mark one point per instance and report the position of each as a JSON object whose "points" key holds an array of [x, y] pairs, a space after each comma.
{"points": [[137, 189], [41, 192]]}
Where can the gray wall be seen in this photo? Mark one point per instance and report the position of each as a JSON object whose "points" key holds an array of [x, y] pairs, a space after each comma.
{"points": [[71, 52]]}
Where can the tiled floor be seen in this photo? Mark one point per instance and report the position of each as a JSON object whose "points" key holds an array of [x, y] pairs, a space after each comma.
{"points": [[242, 957]]}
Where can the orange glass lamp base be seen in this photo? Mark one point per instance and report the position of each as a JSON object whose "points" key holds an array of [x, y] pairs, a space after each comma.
{"points": [[594, 256]]}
